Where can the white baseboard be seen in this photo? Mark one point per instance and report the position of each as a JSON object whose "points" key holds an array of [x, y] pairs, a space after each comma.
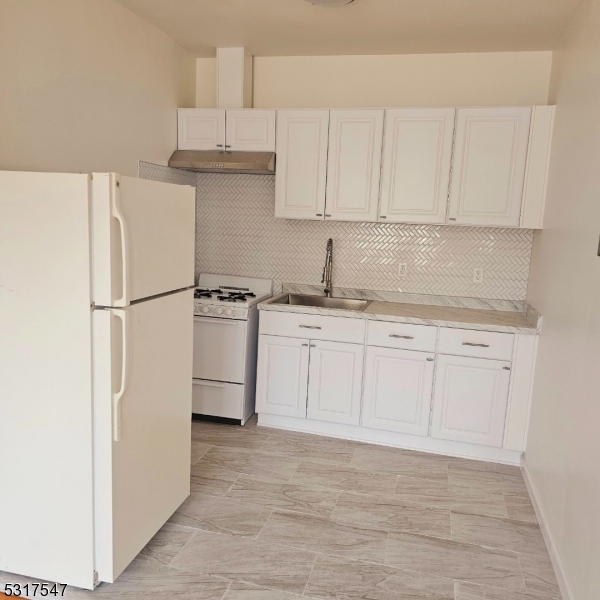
{"points": [[392, 439], [559, 571]]}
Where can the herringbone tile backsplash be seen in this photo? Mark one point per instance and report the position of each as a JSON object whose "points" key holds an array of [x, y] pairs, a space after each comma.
{"points": [[237, 234]]}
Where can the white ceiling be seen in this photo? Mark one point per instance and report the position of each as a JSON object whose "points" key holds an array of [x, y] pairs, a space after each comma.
{"points": [[297, 28]]}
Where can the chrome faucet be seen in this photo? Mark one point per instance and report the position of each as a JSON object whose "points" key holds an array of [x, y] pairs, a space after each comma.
{"points": [[328, 268]]}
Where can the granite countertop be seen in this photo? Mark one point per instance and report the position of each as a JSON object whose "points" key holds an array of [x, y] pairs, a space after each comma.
{"points": [[462, 313]]}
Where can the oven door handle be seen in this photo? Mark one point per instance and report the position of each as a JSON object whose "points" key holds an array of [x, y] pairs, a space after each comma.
{"points": [[216, 320]]}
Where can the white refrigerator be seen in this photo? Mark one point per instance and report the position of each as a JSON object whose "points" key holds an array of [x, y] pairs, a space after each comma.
{"points": [[96, 328]]}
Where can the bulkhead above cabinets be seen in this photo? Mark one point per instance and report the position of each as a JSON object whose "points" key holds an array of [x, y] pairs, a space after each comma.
{"points": [[455, 166]]}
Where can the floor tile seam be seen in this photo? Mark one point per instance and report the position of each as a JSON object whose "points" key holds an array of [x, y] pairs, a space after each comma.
{"points": [[318, 552], [467, 513], [310, 574], [334, 520], [410, 503], [395, 474], [170, 563], [320, 488], [226, 589], [487, 547], [494, 549], [271, 508], [499, 589], [522, 572], [425, 573], [349, 466], [477, 488]]}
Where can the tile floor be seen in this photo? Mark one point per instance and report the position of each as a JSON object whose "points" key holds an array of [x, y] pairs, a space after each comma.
{"points": [[277, 515]]}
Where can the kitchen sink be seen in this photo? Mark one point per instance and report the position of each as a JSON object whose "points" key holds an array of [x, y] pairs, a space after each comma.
{"points": [[322, 302]]}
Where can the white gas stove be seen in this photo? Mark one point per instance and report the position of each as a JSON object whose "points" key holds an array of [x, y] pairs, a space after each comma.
{"points": [[225, 345], [229, 297]]}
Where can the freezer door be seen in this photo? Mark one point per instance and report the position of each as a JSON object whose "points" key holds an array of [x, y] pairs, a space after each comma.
{"points": [[143, 238], [142, 428], [46, 494]]}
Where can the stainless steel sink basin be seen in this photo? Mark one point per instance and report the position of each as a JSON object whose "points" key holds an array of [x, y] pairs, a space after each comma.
{"points": [[322, 302]]}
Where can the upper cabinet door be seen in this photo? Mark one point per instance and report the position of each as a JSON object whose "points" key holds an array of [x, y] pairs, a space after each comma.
{"points": [[250, 130], [201, 129], [417, 153], [302, 137], [489, 166], [354, 164]]}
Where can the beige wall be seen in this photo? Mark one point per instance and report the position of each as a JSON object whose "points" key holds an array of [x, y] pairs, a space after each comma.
{"points": [[86, 85], [495, 78], [563, 453]]}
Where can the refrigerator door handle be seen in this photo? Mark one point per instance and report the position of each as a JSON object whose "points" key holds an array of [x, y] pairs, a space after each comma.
{"points": [[118, 397], [120, 217]]}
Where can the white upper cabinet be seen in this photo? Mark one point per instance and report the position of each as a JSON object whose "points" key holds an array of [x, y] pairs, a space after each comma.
{"points": [[201, 129], [335, 382], [250, 130], [245, 130], [470, 399], [417, 153], [354, 164], [490, 155], [538, 161], [301, 171]]}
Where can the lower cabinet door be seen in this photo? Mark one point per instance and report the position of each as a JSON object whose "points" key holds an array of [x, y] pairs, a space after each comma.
{"points": [[470, 400], [398, 388], [282, 377], [335, 382]]}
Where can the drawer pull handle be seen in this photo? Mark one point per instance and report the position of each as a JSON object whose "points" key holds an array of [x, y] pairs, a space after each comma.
{"points": [[403, 337], [506, 368], [309, 327], [476, 345], [305, 345], [313, 345], [430, 359]]}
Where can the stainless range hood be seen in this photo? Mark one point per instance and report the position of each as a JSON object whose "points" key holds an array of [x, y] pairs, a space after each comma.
{"points": [[216, 161], [234, 91]]}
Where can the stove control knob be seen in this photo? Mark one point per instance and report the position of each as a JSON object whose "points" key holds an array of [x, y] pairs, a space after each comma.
{"points": [[205, 310], [219, 311], [228, 312]]}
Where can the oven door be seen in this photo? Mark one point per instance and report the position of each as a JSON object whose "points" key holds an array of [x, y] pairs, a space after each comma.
{"points": [[220, 349]]}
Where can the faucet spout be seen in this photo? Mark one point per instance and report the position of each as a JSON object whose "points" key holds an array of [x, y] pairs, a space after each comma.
{"points": [[328, 269]]}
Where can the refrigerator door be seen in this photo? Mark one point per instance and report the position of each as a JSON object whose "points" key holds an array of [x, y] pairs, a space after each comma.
{"points": [[143, 236], [142, 407], [46, 485]]}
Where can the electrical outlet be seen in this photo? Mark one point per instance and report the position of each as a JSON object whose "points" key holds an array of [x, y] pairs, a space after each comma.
{"points": [[402, 270], [478, 275]]}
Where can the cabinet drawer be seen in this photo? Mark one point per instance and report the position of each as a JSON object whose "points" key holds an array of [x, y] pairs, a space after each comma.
{"points": [[314, 327], [401, 335], [479, 344], [217, 399]]}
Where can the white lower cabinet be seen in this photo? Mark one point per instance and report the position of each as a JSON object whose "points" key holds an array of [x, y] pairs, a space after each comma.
{"points": [[470, 399], [420, 386], [335, 382], [282, 378], [398, 386]]}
